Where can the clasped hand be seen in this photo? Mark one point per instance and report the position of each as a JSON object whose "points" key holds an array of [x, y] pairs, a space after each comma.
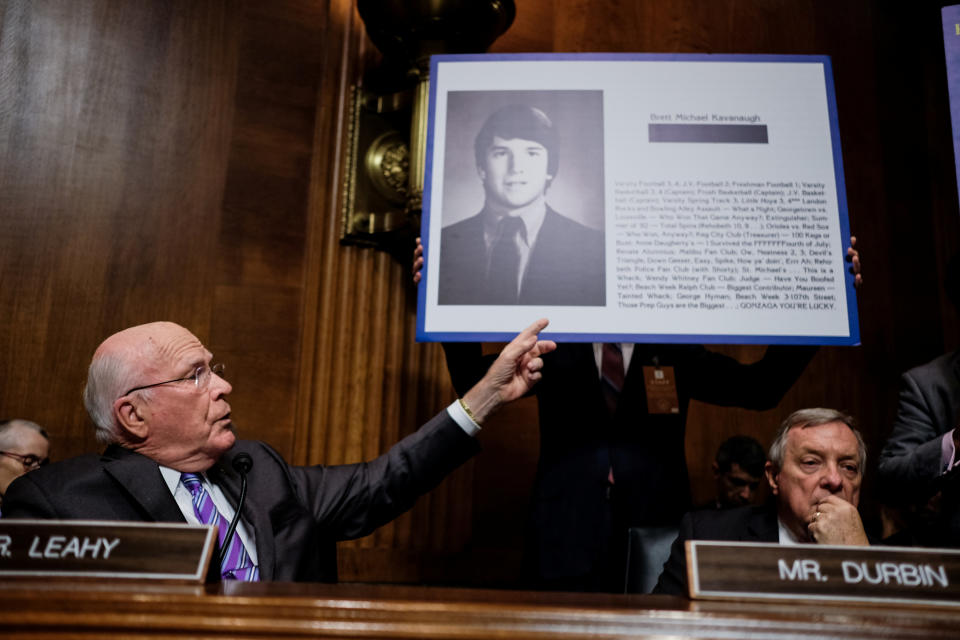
{"points": [[836, 521]]}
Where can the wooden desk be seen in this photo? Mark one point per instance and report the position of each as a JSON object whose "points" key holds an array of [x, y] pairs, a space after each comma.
{"points": [[286, 610]]}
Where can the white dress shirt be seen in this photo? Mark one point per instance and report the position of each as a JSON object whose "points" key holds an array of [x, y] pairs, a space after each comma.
{"points": [[185, 501], [786, 535]]}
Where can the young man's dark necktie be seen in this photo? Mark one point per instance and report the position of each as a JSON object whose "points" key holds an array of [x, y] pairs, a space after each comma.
{"points": [[611, 375], [503, 273], [611, 382]]}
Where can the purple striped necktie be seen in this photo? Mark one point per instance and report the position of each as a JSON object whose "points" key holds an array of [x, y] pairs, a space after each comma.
{"points": [[236, 564]]}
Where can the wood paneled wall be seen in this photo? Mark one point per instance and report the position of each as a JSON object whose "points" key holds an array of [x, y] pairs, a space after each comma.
{"points": [[180, 159]]}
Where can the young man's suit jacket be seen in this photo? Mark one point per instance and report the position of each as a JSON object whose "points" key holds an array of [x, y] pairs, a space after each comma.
{"points": [[566, 265]]}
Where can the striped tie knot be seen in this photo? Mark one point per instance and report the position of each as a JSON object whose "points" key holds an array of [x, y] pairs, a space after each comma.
{"points": [[192, 482]]}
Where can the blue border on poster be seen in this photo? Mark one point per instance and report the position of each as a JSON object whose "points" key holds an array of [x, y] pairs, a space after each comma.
{"points": [[950, 16], [852, 317]]}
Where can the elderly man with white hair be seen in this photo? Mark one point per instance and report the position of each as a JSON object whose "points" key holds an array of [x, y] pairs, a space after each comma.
{"points": [[814, 468], [160, 404]]}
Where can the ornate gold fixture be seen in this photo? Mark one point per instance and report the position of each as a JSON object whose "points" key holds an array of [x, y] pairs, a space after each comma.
{"points": [[387, 132]]}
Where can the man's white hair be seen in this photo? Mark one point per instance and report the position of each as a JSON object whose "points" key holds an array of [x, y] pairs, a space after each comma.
{"points": [[108, 378]]}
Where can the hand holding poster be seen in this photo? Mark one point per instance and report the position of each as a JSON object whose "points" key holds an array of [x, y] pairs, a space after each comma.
{"points": [[640, 198]]}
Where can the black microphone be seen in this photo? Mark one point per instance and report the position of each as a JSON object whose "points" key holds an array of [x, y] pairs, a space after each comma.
{"points": [[242, 463]]}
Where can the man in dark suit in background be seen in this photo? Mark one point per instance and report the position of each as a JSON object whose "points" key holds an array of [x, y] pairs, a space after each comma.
{"points": [[917, 463], [161, 408], [520, 249], [612, 451], [815, 469], [603, 469]]}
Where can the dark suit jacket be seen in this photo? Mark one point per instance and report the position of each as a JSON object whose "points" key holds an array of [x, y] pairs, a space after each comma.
{"points": [[910, 463], [566, 265], [929, 407], [296, 513], [570, 524], [743, 524]]}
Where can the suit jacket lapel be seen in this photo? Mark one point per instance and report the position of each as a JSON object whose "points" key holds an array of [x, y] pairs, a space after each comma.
{"points": [[229, 481], [542, 262], [538, 255], [140, 477], [634, 376]]}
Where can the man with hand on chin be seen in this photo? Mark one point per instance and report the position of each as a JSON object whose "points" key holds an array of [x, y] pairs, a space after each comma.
{"points": [[160, 405], [815, 469]]}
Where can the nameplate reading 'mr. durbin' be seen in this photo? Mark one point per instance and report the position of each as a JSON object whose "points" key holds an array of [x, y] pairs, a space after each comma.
{"points": [[100, 549], [725, 570]]}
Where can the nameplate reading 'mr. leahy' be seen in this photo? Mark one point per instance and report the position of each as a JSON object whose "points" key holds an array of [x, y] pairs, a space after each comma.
{"points": [[100, 549], [764, 571]]}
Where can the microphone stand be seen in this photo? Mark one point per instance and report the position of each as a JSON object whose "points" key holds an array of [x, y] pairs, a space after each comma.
{"points": [[242, 465]]}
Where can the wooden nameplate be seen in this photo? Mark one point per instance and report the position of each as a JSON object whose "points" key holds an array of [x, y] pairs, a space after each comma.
{"points": [[105, 549], [767, 571]]}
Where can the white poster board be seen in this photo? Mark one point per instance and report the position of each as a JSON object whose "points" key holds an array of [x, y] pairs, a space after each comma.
{"points": [[689, 199]]}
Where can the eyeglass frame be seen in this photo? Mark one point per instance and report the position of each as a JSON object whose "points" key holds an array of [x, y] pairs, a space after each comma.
{"points": [[217, 369], [23, 457]]}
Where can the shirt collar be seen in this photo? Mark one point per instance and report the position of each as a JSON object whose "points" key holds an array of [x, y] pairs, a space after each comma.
{"points": [[786, 535], [172, 477]]}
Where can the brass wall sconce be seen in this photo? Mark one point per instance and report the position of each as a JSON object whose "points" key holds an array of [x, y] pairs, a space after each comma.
{"points": [[387, 133], [377, 174]]}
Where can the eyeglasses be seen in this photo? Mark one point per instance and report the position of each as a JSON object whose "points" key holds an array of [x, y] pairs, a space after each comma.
{"points": [[29, 461], [200, 378]]}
